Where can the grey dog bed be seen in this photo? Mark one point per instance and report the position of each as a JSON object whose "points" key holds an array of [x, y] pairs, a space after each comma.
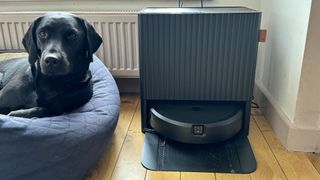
{"points": [[63, 147]]}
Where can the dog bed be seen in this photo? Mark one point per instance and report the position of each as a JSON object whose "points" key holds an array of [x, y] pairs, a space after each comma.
{"points": [[61, 147]]}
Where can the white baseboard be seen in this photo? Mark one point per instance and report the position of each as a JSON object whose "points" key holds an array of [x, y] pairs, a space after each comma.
{"points": [[292, 138]]}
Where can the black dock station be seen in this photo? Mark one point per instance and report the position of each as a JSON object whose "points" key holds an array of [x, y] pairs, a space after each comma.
{"points": [[197, 71]]}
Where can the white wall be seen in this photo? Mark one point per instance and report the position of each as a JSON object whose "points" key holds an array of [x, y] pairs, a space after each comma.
{"points": [[305, 135], [107, 5], [280, 59], [308, 106]]}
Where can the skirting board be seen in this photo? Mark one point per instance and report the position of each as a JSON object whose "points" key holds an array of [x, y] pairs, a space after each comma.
{"points": [[292, 138], [128, 85]]}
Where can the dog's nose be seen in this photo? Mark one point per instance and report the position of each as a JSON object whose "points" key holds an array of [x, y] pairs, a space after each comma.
{"points": [[51, 60]]}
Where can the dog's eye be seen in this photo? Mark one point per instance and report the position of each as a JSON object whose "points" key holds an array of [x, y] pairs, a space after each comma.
{"points": [[72, 36], [43, 34]]}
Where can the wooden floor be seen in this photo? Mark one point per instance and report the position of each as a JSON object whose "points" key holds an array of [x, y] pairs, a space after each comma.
{"points": [[121, 161]]}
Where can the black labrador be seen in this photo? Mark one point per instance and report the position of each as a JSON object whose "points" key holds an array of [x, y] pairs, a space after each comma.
{"points": [[55, 78]]}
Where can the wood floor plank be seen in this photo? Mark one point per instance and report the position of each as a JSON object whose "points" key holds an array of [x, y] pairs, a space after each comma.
{"points": [[267, 165], [223, 176], [4, 56], [297, 159], [162, 175], [105, 166], [128, 166], [315, 160], [262, 123], [256, 112], [197, 176], [295, 165]]}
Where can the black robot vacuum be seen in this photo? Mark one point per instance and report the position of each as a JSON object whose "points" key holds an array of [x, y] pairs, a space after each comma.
{"points": [[196, 122]]}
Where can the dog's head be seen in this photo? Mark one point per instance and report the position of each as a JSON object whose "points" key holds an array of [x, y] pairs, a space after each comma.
{"points": [[61, 44]]}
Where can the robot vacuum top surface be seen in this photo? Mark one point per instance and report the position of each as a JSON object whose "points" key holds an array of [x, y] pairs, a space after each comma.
{"points": [[197, 112]]}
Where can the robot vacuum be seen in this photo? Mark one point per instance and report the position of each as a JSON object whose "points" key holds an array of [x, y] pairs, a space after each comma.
{"points": [[196, 122]]}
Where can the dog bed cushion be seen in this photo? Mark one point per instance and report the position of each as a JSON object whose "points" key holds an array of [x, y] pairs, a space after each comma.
{"points": [[61, 147]]}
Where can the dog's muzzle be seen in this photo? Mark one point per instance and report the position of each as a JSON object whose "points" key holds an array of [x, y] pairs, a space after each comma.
{"points": [[54, 63]]}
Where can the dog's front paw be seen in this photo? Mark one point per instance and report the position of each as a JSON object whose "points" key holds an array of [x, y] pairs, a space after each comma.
{"points": [[20, 113]]}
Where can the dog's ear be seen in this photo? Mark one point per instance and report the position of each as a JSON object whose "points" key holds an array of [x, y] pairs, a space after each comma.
{"points": [[29, 42], [94, 40]]}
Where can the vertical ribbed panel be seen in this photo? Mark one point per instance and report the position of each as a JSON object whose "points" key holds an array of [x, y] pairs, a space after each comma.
{"points": [[11, 34], [198, 56], [119, 50]]}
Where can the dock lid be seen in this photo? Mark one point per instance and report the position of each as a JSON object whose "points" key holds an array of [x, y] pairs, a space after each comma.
{"points": [[197, 10]]}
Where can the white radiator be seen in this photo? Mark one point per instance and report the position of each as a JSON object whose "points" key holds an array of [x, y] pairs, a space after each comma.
{"points": [[119, 31]]}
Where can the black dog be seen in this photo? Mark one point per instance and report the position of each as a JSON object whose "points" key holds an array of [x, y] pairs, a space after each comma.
{"points": [[54, 78]]}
